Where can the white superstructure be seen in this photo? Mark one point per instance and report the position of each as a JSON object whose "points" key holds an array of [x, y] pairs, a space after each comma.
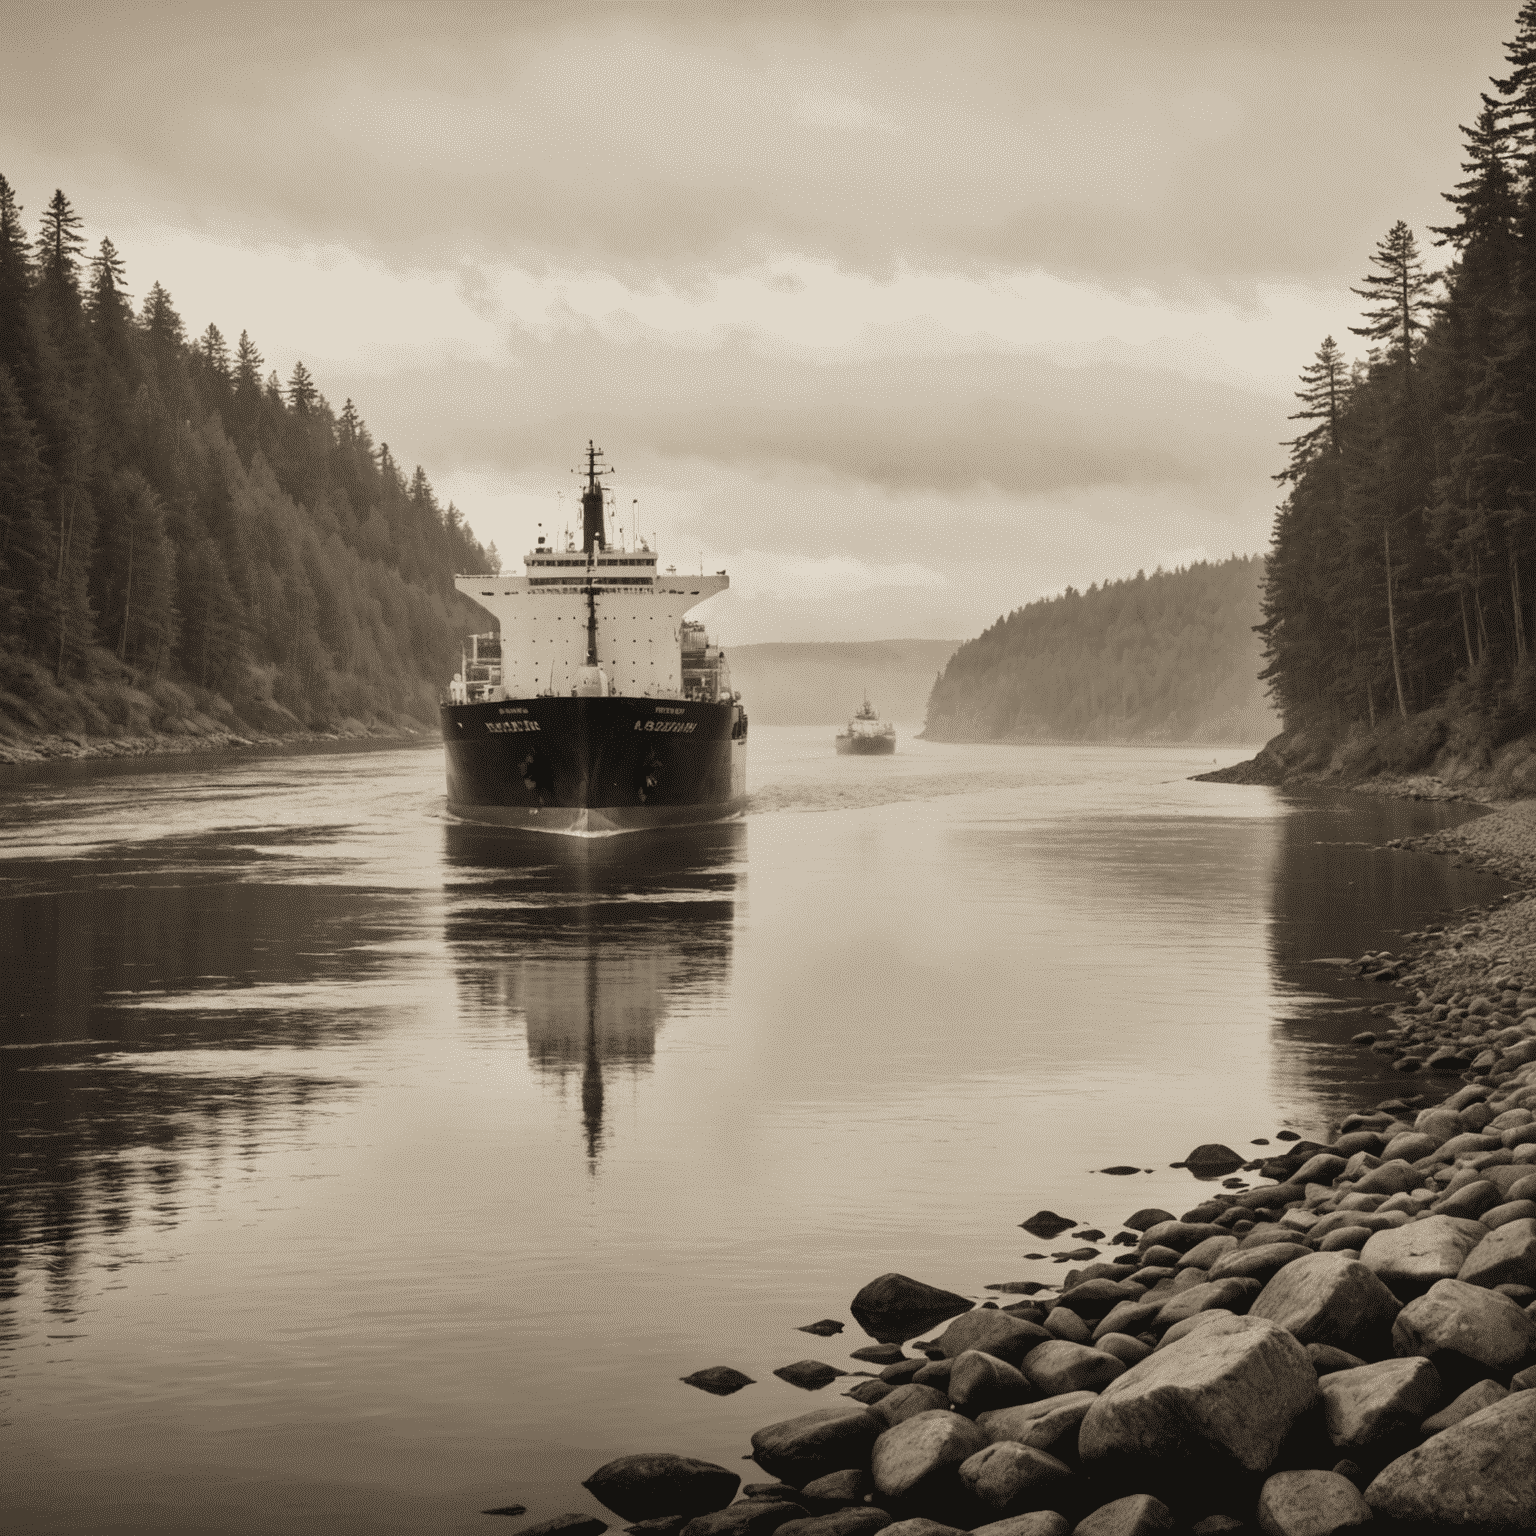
{"points": [[597, 620], [544, 619]]}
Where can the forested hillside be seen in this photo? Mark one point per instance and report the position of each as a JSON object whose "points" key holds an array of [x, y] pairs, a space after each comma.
{"points": [[1401, 589], [1166, 657], [185, 539]]}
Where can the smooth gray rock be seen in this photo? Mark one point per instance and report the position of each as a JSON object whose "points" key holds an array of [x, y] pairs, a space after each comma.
{"points": [[1049, 1425], [1057, 1367], [1123, 1346], [994, 1332], [1479, 1474], [1223, 1295], [863, 1521], [1482, 1394], [1012, 1479], [980, 1382], [893, 1293], [1220, 1399], [836, 1490], [811, 1375], [1137, 1515], [916, 1463], [1326, 1359], [1373, 1402], [1044, 1522], [721, 1380], [645, 1486], [748, 1517], [922, 1527], [1064, 1323], [810, 1446], [567, 1525], [907, 1402], [1258, 1263], [1310, 1504], [1507, 1256], [1458, 1318], [1410, 1259]]}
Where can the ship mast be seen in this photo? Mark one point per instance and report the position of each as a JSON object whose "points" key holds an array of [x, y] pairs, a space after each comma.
{"points": [[592, 540]]}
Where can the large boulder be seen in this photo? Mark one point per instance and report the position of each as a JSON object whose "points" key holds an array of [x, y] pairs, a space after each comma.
{"points": [[1375, 1403], [1477, 1475], [1410, 1259], [1310, 1504], [893, 1308], [1457, 1319], [1480, 1395], [1507, 1256], [1221, 1399], [993, 1332], [1049, 1425], [648, 1485], [810, 1446], [1328, 1298], [1012, 1479], [915, 1466], [1060, 1366]]}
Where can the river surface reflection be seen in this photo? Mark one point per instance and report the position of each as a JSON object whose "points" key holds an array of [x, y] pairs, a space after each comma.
{"points": [[364, 1171]]}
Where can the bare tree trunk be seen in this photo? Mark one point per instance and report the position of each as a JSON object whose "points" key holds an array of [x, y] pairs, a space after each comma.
{"points": [[1397, 670], [1466, 632], [66, 529], [1517, 616], [122, 644]]}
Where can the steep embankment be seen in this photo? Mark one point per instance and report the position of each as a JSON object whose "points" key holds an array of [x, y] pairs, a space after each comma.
{"points": [[191, 553], [1166, 657], [822, 683], [1436, 755]]}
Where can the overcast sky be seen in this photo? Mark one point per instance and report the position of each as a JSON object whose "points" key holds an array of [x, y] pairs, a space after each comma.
{"points": [[904, 313]]}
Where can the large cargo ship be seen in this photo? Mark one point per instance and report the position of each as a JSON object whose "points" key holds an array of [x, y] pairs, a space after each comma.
{"points": [[596, 706]]}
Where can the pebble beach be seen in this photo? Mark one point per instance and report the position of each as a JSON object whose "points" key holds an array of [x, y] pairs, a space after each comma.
{"points": [[1343, 1334]]}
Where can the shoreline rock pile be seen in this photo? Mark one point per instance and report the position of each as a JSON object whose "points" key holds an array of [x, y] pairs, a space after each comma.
{"points": [[1353, 1344]]}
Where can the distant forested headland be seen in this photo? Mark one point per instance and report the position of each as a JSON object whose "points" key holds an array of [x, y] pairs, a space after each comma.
{"points": [[1400, 595], [1166, 657], [186, 541]]}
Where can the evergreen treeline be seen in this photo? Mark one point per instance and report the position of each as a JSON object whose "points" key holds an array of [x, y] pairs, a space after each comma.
{"points": [[181, 536], [1168, 657], [1401, 580]]}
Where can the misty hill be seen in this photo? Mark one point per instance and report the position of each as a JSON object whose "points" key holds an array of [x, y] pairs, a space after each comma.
{"points": [[822, 683], [186, 545], [1166, 657]]}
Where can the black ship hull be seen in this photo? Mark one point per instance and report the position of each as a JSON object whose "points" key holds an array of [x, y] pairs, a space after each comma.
{"points": [[594, 765], [865, 746]]}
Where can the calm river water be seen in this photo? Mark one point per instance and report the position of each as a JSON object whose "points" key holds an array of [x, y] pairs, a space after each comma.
{"points": [[367, 1172]]}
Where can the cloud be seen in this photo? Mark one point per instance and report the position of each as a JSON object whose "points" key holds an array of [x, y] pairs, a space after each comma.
{"points": [[1187, 148]]}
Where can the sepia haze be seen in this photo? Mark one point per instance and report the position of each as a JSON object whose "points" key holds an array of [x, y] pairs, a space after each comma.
{"points": [[905, 314]]}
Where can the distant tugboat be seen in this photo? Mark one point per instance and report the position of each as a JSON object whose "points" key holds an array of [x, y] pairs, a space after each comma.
{"points": [[866, 734], [597, 707]]}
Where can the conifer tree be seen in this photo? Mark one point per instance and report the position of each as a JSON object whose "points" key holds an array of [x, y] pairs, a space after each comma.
{"points": [[302, 393], [16, 345], [215, 353]]}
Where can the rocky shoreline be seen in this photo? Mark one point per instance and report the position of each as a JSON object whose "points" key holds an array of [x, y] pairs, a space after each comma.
{"points": [[1352, 1343]]}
